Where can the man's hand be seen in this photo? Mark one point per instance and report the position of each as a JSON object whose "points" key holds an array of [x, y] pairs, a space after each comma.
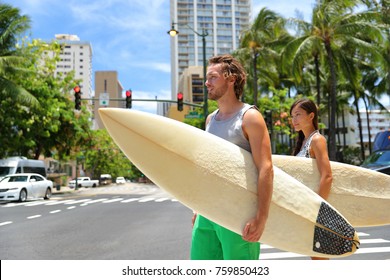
{"points": [[253, 230]]}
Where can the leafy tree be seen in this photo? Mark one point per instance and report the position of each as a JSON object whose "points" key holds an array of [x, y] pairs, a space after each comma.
{"points": [[102, 156], [334, 25], [52, 128], [259, 46], [12, 25]]}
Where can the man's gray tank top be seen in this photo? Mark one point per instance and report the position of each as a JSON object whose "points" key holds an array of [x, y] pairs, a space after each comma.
{"points": [[231, 129]]}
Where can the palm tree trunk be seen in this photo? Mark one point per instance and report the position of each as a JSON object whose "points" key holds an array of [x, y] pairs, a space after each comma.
{"points": [[368, 124], [255, 77], [344, 129], [332, 103], [355, 102], [318, 79]]}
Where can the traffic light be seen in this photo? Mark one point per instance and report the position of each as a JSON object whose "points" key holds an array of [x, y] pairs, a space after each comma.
{"points": [[180, 101], [128, 98], [77, 98]]}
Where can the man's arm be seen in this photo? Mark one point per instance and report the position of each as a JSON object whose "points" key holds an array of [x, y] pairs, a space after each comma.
{"points": [[256, 131]]}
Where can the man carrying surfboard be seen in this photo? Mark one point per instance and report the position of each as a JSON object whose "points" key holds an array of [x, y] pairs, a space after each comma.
{"points": [[243, 125]]}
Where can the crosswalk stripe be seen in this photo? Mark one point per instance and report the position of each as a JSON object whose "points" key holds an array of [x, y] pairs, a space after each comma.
{"points": [[90, 201], [78, 201], [35, 203], [113, 200], [94, 201], [284, 255], [147, 199], [162, 199], [59, 202], [129, 200], [371, 241]]}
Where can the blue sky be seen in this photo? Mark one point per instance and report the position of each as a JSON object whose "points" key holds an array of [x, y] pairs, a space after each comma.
{"points": [[129, 36]]}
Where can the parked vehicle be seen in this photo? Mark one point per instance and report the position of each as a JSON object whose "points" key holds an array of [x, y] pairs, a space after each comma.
{"points": [[105, 179], [379, 161], [85, 182], [25, 186], [382, 141], [120, 180], [14, 165], [384, 169]]}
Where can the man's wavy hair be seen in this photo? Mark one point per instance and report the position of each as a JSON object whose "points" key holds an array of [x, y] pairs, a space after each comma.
{"points": [[231, 67]]}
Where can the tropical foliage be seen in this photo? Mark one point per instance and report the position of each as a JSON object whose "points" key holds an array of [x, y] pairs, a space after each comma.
{"points": [[339, 58]]}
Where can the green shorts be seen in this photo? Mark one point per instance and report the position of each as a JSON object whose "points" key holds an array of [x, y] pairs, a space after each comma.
{"points": [[211, 241]]}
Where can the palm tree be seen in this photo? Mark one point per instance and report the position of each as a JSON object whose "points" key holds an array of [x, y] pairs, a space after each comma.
{"points": [[258, 48], [12, 24], [334, 25]]}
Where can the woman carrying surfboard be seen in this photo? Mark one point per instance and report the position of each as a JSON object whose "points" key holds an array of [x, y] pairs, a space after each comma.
{"points": [[310, 143], [243, 125]]}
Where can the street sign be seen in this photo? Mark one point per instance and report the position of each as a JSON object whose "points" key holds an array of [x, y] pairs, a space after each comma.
{"points": [[104, 99], [193, 115]]}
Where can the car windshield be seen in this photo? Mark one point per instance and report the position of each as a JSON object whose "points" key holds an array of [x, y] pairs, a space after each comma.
{"points": [[18, 179], [4, 170], [378, 158]]}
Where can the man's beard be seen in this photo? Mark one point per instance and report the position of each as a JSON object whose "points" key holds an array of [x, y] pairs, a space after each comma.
{"points": [[218, 93]]}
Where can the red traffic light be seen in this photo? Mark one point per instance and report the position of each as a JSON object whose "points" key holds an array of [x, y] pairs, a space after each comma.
{"points": [[76, 89], [180, 101], [128, 93]]}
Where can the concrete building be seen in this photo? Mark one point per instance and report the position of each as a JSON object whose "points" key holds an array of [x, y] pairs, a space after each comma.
{"points": [[76, 56], [379, 121], [107, 84], [222, 20]]}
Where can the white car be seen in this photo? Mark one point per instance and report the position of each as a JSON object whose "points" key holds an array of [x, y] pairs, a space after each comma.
{"points": [[120, 180], [25, 186]]}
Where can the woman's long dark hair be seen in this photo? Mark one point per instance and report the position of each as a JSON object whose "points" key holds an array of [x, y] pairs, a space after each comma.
{"points": [[310, 107]]}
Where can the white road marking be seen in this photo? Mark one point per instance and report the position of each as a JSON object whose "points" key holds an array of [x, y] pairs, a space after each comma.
{"points": [[35, 203], [34, 217], [55, 211], [113, 200], [147, 199], [59, 202], [162, 199], [77, 201], [6, 223], [129, 200], [94, 201]]}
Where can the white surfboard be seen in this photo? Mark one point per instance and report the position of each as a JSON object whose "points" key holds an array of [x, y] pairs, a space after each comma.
{"points": [[219, 180], [360, 194]]}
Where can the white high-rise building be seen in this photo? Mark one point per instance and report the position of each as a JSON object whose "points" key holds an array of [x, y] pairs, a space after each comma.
{"points": [[222, 20], [76, 56]]}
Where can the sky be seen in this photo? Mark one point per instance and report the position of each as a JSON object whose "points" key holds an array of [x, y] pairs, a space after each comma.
{"points": [[127, 36]]}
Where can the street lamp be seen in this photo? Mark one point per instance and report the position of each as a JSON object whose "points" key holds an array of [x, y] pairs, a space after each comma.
{"points": [[173, 32]]}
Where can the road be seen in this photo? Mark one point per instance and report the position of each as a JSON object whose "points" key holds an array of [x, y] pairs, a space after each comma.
{"points": [[126, 222]]}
